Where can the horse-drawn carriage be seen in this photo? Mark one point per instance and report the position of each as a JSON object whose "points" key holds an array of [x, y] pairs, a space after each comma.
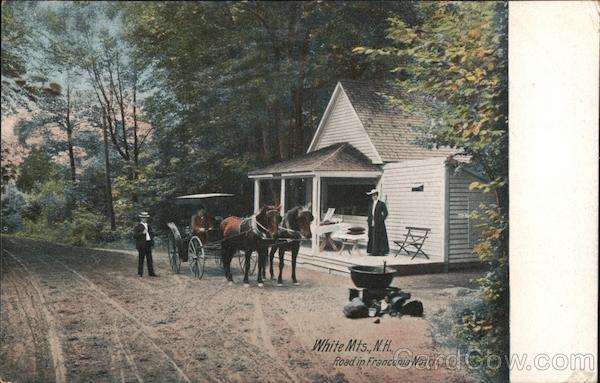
{"points": [[247, 239], [193, 246]]}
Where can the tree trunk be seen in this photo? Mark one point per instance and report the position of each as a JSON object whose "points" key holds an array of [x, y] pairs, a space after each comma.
{"points": [[257, 136], [69, 127], [299, 100], [311, 118], [136, 149], [281, 139], [275, 133], [269, 134], [298, 118], [265, 137], [118, 92], [109, 200], [292, 134], [71, 153]]}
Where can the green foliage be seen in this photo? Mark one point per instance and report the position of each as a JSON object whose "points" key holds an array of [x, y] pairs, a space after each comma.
{"points": [[132, 196], [486, 327], [457, 51], [47, 210], [14, 204], [14, 38], [36, 169], [19, 34], [226, 87], [494, 231], [50, 215], [234, 86], [85, 228], [56, 232], [9, 167], [459, 54], [478, 325], [48, 200], [245, 81], [488, 187]]}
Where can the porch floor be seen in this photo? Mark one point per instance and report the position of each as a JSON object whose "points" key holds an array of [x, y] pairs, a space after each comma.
{"points": [[339, 263]]}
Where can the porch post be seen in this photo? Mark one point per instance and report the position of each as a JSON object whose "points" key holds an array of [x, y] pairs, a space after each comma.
{"points": [[282, 197], [316, 212], [256, 195]]}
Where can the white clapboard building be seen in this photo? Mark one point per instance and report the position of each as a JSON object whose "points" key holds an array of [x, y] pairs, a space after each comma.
{"points": [[365, 141]]}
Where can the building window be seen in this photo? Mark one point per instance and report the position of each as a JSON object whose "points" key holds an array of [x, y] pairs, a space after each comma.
{"points": [[349, 199], [418, 188]]}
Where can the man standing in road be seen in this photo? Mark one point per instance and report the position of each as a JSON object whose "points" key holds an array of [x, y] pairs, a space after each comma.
{"points": [[144, 240], [378, 241]]}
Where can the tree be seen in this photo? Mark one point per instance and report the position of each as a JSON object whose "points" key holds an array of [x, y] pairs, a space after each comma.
{"points": [[457, 52], [19, 35], [114, 78], [36, 168], [9, 168], [62, 106], [120, 108], [84, 49], [226, 87], [109, 196], [13, 206], [245, 82], [56, 109]]}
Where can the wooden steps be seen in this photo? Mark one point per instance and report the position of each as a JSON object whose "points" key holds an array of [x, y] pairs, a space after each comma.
{"points": [[320, 263]]}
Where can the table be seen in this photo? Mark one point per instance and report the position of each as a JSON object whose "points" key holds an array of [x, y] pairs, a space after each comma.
{"points": [[327, 230], [350, 240]]}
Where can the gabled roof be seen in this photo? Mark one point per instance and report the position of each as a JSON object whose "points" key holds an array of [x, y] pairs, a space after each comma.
{"points": [[391, 129], [337, 157]]}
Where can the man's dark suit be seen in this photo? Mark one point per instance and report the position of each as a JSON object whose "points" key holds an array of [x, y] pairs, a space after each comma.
{"points": [[144, 248], [378, 241]]}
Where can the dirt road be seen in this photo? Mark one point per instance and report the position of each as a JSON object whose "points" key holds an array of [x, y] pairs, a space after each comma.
{"points": [[72, 314]]}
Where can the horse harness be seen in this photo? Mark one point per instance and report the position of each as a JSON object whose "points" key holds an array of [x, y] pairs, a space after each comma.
{"points": [[287, 226], [253, 226]]}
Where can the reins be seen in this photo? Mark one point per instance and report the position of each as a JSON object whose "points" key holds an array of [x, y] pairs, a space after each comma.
{"points": [[261, 226], [289, 230], [297, 232], [254, 221]]}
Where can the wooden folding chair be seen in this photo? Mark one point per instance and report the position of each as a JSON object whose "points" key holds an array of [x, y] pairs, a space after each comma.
{"points": [[415, 237]]}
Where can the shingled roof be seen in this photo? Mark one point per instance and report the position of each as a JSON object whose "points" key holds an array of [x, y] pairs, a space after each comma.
{"points": [[337, 157], [390, 128]]}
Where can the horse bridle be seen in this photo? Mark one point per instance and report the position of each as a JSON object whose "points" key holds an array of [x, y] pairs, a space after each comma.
{"points": [[259, 225], [297, 232]]}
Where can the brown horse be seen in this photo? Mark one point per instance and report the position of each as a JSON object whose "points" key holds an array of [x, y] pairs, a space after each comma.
{"points": [[248, 234], [295, 227]]}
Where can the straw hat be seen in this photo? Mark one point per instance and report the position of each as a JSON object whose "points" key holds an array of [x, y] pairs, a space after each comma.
{"points": [[144, 214], [373, 191]]}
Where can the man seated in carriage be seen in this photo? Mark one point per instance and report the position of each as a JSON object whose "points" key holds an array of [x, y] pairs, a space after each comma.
{"points": [[206, 226], [200, 225]]}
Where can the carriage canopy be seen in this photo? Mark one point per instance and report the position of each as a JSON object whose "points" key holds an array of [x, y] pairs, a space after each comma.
{"points": [[203, 196]]}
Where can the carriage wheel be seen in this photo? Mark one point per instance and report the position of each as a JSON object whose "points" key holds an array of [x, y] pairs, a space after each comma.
{"points": [[196, 257], [253, 261], [173, 253]]}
